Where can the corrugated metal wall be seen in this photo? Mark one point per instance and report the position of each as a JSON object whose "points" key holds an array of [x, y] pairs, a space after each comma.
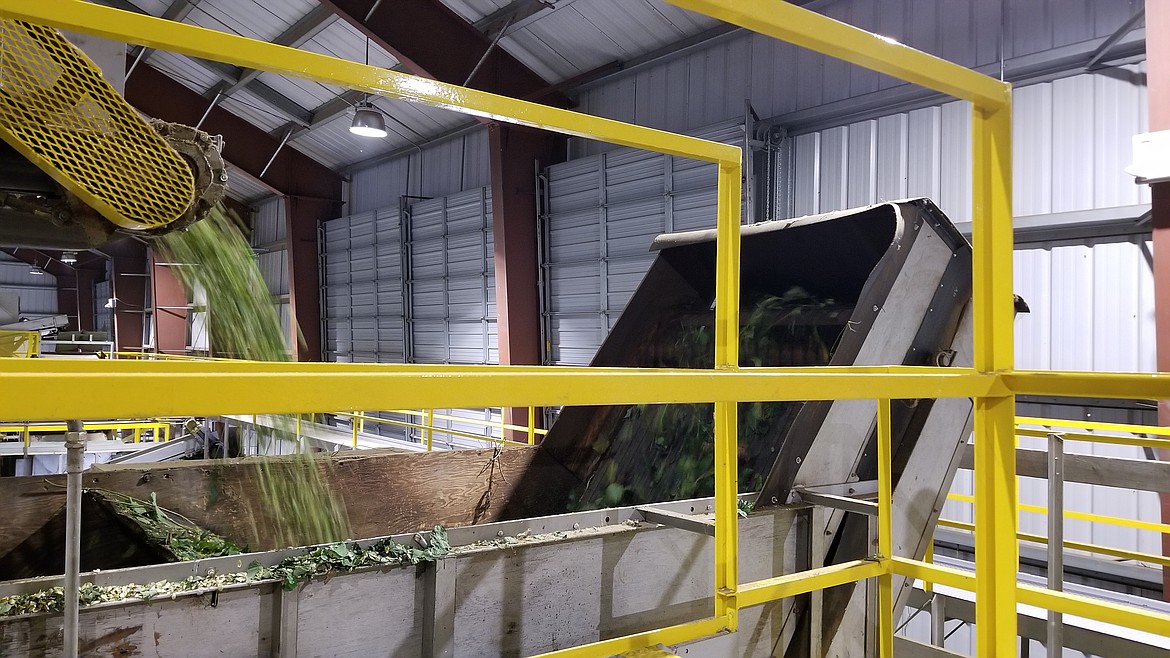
{"points": [[268, 238], [451, 279], [710, 84], [436, 170], [364, 318], [103, 318], [37, 292], [603, 211], [420, 290], [1072, 142]]}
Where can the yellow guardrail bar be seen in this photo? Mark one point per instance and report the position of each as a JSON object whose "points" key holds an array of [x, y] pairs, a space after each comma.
{"points": [[217, 388], [160, 429], [19, 344], [428, 427], [162, 356]]}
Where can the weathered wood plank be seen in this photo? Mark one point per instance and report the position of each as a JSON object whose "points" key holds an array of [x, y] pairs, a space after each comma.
{"points": [[384, 492]]}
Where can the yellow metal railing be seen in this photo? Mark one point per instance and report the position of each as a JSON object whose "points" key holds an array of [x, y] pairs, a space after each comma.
{"points": [[428, 416], [160, 430], [96, 389], [161, 356], [19, 344], [1089, 432]]}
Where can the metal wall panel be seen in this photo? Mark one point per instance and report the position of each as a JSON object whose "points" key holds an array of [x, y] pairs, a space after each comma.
{"points": [[37, 292], [451, 280], [437, 170], [274, 269], [103, 318], [270, 222], [709, 84], [600, 216], [363, 288], [1072, 144]]}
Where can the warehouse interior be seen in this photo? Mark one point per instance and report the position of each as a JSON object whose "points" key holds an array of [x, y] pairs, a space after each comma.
{"points": [[602, 327]]}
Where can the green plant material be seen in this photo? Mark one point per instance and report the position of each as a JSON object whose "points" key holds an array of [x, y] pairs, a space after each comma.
{"points": [[652, 453], [177, 534], [290, 572], [243, 323], [744, 507]]}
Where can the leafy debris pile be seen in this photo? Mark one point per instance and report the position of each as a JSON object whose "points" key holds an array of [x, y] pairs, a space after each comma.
{"points": [[650, 453], [289, 572], [168, 529]]}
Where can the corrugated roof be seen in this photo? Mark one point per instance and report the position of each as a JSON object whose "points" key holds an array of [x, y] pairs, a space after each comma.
{"points": [[575, 36], [245, 188], [567, 38]]}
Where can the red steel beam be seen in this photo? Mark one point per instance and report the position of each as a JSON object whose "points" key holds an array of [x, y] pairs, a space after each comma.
{"points": [[130, 275], [75, 298], [169, 311], [515, 153], [245, 146], [431, 40], [302, 216], [1158, 87]]}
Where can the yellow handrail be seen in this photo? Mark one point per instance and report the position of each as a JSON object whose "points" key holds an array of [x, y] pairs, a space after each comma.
{"points": [[161, 429], [1080, 516], [19, 344], [429, 429], [992, 381]]}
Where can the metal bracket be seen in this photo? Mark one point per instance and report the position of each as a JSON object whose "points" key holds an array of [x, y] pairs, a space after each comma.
{"points": [[688, 522]]}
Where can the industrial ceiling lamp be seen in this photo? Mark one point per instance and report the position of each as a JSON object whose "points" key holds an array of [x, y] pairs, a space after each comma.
{"points": [[69, 257], [367, 120]]}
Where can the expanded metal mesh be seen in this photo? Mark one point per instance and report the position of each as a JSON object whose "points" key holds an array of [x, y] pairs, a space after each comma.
{"points": [[58, 111]]}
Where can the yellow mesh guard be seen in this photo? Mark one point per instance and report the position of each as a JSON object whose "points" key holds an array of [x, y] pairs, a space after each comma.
{"points": [[58, 111]]}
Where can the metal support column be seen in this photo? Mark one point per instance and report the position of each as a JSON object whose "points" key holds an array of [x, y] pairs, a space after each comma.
{"points": [[129, 289], [74, 465], [515, 154], [1055, 643], [302, 217], [169, 310], [1158, 84]]}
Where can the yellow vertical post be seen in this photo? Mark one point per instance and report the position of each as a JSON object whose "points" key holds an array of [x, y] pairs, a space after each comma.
{"points": [[885, 533], [137, 433], [354, 423], [996, 551], [929, 559], [531, 426], [430, 430], [726, 421]]}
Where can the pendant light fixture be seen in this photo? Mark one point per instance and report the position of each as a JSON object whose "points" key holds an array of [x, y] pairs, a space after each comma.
{"points": [[367, 119]]}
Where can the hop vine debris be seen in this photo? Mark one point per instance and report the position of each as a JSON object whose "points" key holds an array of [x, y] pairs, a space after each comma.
{"points": [[290, 572], [219, 264]]}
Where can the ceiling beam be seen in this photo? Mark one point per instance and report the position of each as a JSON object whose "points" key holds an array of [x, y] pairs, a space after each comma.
{"points": [[249, 148], [431, 40], [297, 35], [177, 11]]}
